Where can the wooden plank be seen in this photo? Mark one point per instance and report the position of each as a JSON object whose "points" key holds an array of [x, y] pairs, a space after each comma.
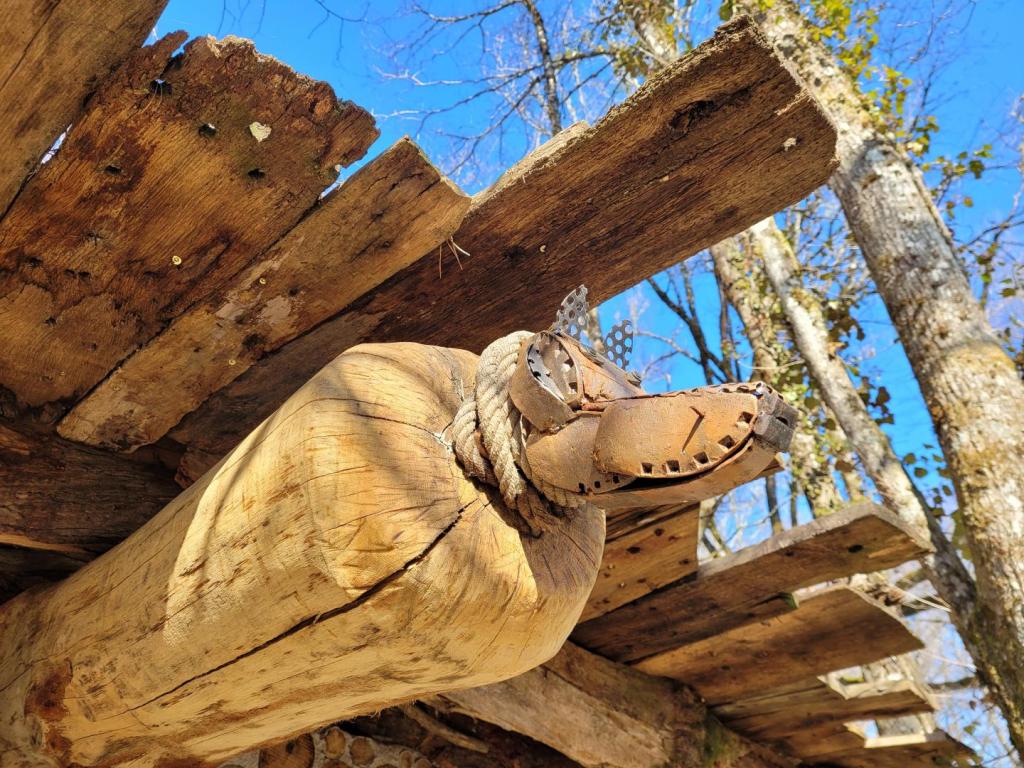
{"points": [[602, 714], [832, 629], [752, 584], [376, 223], [919, 749], [65, 498], [653, 182], [166, 187], [778, 713], [52, 57], [817, 745], [644, 559]]}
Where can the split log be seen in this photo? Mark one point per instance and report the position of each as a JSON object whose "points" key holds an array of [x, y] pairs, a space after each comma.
{"points": [[831, 630], [376, 223], [717, 141], [604, 715], [52, 56], [337, 562], [754, 584], [181, 170], [60, 497]]}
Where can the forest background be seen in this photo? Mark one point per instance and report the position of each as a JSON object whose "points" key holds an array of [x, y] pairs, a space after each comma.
{"points": [[478, 85]]}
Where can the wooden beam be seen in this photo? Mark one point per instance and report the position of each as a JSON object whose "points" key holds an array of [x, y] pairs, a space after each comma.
{"points": [[778, 713], [339, 561], [376, 223], [181, 170], [602, 714], [754, 583], [653, 182], [832, 629], [918, 749], [52, 57], [645, 558], [59, 497]]}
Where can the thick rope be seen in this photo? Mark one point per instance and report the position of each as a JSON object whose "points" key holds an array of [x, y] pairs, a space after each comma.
{"points": [[488, 439]]}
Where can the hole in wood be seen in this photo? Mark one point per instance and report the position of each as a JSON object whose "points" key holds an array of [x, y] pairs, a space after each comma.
{"points": [[160, 87], [209, 130], [257, 173], [113, 170], [647, 468], [672, 465], [701, 458], [855, 549], [727, 442]]}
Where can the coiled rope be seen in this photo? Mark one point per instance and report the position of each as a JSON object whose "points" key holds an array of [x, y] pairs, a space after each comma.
{"points": [[489, 443]]}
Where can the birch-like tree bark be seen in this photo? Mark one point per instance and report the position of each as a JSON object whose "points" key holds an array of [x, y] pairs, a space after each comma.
{"points": [[945, 570], [968, 381]]}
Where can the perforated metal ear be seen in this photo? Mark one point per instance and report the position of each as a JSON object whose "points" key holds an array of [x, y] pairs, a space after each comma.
{"points": [[572, 315], [618, 344]]}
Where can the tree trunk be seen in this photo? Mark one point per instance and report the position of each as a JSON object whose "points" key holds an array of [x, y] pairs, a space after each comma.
{"points": [[337, 562], [968, 381], [742, 282]]}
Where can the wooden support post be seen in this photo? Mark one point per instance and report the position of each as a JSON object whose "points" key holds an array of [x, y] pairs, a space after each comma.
{"points": [[337, 562]]}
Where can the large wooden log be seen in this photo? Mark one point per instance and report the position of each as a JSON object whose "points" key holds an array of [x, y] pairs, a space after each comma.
{"points": [[52, 57], [716, 142], [337, 562], [181, 170]]}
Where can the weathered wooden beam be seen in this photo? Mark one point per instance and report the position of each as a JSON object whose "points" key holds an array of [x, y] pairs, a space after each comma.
{"points": [[832, 629], [917, 749], [180, 171], [714, 143], [64, 498], [604, 715], [376, 223], [645, 558], [338, 561], [755, 583], [776, 714], [53, 55]]}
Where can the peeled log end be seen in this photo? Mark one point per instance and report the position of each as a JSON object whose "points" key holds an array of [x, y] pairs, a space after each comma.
{"points": [[337, 562]]}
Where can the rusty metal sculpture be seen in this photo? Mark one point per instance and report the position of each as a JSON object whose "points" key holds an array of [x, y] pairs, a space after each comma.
{"points": [[588, 432]]}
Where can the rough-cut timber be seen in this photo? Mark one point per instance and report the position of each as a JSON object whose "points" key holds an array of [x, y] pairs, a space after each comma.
{"points": [[717, 141], [62, 497], [166, 187], [604, 715], [338, 561], [777, 714], [831, 630], [644, 559], [376, 223], [754, 583], [936, 748], [53, 54]]}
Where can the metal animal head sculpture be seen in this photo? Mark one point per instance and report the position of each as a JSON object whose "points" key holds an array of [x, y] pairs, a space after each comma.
{"points": [[591, 429]]}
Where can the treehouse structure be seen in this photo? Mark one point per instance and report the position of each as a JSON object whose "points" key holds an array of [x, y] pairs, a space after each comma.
{"points": [[284, 486]]}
